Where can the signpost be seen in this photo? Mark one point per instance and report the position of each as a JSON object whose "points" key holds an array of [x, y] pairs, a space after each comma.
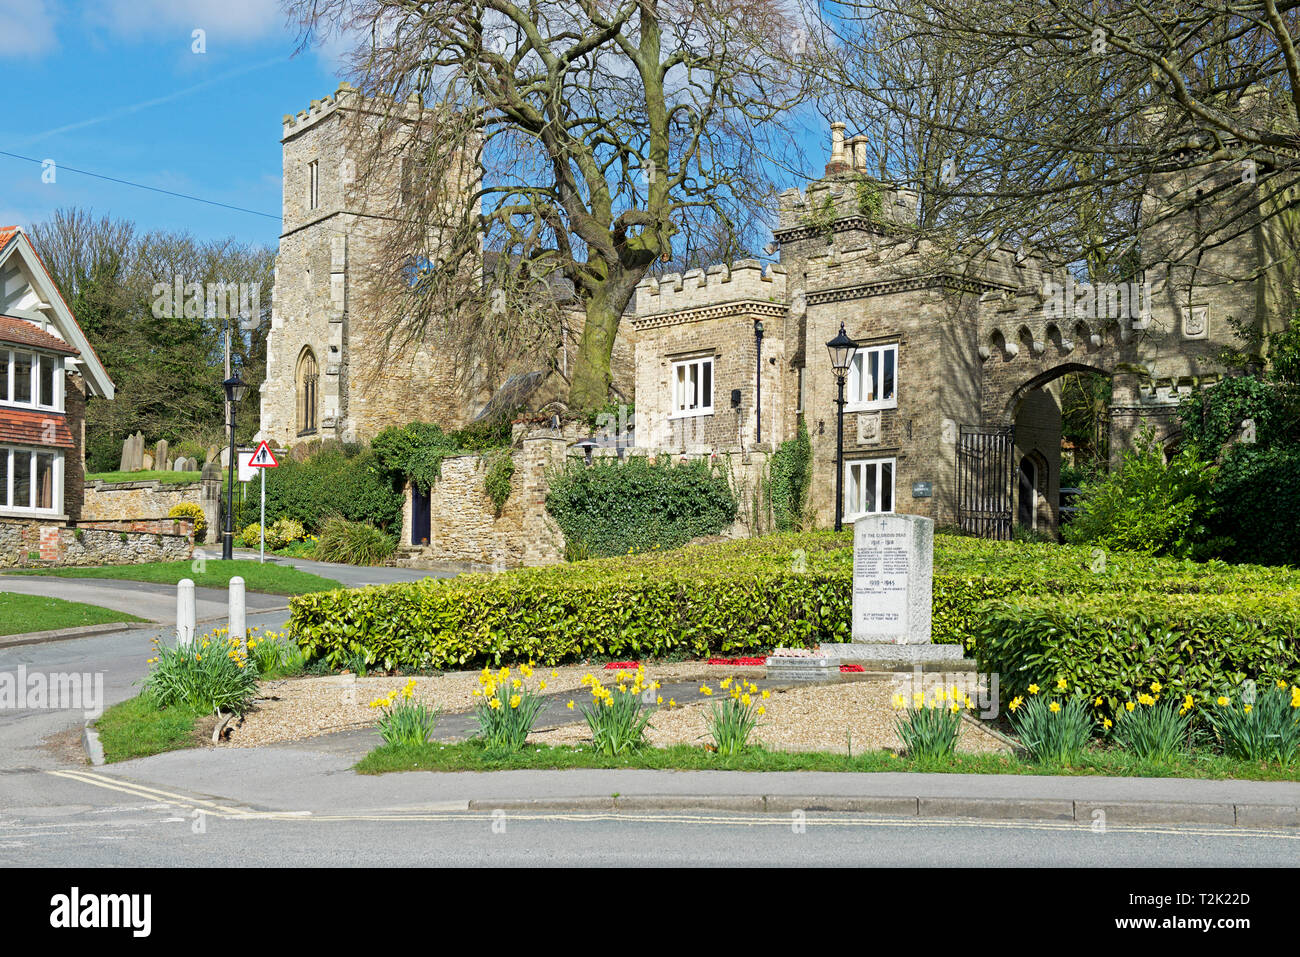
{"points": [[262, 460]]}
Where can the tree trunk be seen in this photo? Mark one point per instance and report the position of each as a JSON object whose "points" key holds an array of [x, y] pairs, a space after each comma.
{"points": [[591, 372]]}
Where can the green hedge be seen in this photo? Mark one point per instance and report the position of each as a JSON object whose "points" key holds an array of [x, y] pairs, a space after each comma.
{"points": [[1114, 646], [726, 597], [330, 482]]}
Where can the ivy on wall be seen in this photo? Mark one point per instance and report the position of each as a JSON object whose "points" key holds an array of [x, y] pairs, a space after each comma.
{"points": [[610, 508], [789, 473]]}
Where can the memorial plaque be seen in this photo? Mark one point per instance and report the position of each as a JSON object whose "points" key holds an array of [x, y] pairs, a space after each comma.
{"points": [[892, 569]]}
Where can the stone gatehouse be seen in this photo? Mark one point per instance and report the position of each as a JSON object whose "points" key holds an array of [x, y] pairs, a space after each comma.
{"points": [[952, 403]]}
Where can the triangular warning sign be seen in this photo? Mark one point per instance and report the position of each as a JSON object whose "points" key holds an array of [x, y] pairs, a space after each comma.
{"points": [[262, 458]]}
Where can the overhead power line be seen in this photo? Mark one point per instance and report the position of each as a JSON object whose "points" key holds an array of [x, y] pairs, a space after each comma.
{"points": [[152, 189]]}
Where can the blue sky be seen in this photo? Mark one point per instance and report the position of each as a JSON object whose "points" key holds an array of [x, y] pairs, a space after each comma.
{"points": [[114, 87]]}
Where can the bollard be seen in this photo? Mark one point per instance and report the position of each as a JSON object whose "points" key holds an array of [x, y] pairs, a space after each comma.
{"points": [[237, 629], [185, 611]]}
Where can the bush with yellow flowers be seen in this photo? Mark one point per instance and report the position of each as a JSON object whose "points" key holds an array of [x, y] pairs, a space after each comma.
{"points": [[1152, 729], [211, 673], [507, 707], [928, 725], [1258, 726], [618, 716], [733, 718], [403, 720], [1053, 727]]}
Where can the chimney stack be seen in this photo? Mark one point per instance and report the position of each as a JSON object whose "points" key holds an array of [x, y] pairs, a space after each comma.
{"points": [[838, 163]]}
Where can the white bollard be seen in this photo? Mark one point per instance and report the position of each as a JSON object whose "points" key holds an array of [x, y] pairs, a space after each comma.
{"points": [[237, 629], [185, 611]]}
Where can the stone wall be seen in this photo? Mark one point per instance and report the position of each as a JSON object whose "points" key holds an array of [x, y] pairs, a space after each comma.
{"points": [[464, 526], [133, 501], [33, 545]]}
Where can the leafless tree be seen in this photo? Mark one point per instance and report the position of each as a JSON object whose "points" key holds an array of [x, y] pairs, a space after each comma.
{"points": [[1047, 122], [576, 143]]}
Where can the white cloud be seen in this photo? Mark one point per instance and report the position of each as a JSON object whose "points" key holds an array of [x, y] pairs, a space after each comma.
{"points": [[237, 20], [26, 28]]}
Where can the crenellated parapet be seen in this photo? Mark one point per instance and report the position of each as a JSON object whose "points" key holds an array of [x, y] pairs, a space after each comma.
{"points": [[745, 281]]}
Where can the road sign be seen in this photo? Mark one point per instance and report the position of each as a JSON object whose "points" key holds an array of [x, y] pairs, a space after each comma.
{"points": [[262, 458]]}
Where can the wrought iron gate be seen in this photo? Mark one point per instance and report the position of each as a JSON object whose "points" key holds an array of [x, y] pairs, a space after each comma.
{"points": [[985, 465]]}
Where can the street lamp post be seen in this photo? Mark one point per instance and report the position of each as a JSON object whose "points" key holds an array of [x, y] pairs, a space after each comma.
{"points": [[841, 349], [235, 388], [758, 379]]}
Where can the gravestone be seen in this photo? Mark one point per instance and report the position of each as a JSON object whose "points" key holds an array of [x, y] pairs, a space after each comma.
{"points": [[134, 454], [124, 462], [893, 567], [182, 464], [146, 462], [160, 453]]}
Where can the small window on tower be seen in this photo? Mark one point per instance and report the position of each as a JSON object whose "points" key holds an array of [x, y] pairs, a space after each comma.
{"points": [[313, 174]]}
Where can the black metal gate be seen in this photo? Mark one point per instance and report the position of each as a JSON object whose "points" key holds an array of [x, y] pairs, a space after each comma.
{"points": [[985, 466]]}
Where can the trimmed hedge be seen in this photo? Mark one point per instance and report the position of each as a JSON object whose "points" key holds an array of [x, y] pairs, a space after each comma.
{"points": [[1113, 646], [728, 597]]}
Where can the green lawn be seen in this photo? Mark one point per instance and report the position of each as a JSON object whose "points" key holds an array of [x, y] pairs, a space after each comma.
{"points": [[270, 578], [169, 478], [135, 729], [470, 756], [20, 614]]}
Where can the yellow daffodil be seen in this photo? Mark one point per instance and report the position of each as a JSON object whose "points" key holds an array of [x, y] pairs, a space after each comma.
{"points": [[1222, 701], [1054, 707], [1107, 723], [1128, 706], [1060, 684], [569, 705], [1156, 686], [1033, 689]]}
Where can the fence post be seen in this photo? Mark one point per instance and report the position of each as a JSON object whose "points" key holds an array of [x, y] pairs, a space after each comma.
{"points": [[185, 611], [237, 629]]}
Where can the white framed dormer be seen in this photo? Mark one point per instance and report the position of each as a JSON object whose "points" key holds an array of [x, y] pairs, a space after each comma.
{"points": [[869, 487], [692, 383], [873, 378], [31, 481], [30, 379]]}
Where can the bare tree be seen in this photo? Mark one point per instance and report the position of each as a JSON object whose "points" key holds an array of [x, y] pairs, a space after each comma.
{"points": [[580, 141], [1050, 122]]}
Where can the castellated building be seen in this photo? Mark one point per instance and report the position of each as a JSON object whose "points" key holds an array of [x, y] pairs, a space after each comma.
{"points": [[952, 402], [332, 371]]}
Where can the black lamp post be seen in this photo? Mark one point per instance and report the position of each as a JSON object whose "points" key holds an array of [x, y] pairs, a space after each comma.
{"points": [[235, 388], [841, 349], [758, 379], [586, 445]]}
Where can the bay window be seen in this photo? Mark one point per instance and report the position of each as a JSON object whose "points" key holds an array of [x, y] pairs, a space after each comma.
{"points": [[30, 480], [31, 379]]}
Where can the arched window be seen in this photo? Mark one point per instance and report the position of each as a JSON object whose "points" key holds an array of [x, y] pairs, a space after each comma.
{"points": [[306, 386]]}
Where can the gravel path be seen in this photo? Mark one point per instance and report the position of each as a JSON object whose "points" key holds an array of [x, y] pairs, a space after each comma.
{"points": [[850, 716]]}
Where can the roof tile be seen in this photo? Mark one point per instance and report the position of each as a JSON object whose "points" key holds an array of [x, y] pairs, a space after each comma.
{"points": [[34, 427], [22, 333]]}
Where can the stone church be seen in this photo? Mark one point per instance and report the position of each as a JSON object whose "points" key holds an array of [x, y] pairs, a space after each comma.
{"points": [[952, 401]]}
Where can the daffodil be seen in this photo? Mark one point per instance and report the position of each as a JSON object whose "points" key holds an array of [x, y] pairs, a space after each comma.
{"points": [[1054, 707], [1033, 689]]}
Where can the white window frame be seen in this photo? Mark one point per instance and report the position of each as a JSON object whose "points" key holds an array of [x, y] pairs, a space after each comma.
{"points": [[854, 498], [6, 396], [858, 379], [11, 454], [697, 364], [313, 185]]}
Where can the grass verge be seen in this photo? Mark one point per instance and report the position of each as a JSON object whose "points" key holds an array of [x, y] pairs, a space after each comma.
{"points": [[20, 614], [269, 578], [471, 756], [167, 478], [136, 729]]}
